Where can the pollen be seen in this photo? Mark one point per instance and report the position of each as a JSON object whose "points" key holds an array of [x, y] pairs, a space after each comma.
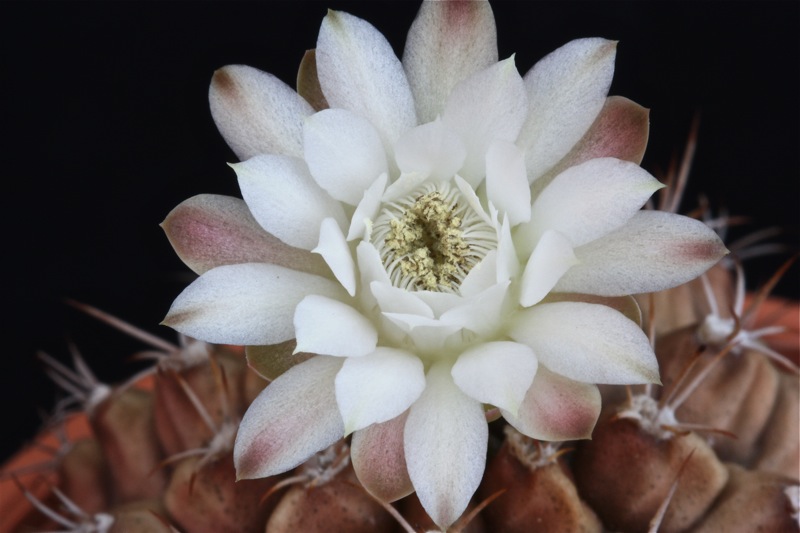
{"points": [[425, 240]]}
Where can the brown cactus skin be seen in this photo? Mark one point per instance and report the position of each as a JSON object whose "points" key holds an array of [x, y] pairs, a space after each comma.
{"points": [[145, 516], [337, 506], [84, 476], [415, 515], [779, 446], [752, 502], [625, 473], [537, 498], [125, 428], [208, 497]]}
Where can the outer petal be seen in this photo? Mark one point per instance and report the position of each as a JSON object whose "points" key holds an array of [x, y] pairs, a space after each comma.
{"points": [[506, 182], [251, 303], [293, 418], [652, 252], [209, 230], [557, 408], [566, 90], [447, 42], [359, 72], [308, 81], [271, 361], [586, 342], [256, 112], [344, 153], [497, 373], [587, 201], [378, 387], [488, 106], [552, 257], [285, 200], [379, 460], [320, 324], [445, 446]]}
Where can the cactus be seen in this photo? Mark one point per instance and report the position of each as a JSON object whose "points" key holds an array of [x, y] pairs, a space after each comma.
{"points": [[711, 445]]}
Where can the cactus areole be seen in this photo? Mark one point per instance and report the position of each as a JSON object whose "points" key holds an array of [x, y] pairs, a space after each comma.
{"points": [[444, 234]]}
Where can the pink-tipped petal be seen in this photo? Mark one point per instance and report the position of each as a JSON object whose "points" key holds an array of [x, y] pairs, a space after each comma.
{"points": [[293, 418], [445, 447], [557, 408], [566, 90], [308, 81], [358, 71], [653, 251], [587, 342], [448, 42], [379, 460], [246, 304], [210, 230], [256, 112]]}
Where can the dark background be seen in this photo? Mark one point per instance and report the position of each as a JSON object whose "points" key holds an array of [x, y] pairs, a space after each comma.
{"points": [[106, 128]]}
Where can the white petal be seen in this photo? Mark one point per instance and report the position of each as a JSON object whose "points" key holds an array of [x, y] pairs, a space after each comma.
{"points": [[293, 418], [588, 200], [556, 408], [334, 248], [245, 304], [358, 71], [344, 153], [396, 300], [330, 327], [481, 276], [378, 387], [551, 258], [497, 373], [445, 444], [652, 252], [371, 269], [480, 313], [472, 199], [403, 185], [256, 112], [367, 209], [507, 259], [447, 42], [431, 150], [506, 181], [285, 200], [487, 106], [566, 90], [587, 342]]}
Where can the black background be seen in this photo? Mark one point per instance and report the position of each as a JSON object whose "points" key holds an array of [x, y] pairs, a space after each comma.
{"points": [[106, 128]]}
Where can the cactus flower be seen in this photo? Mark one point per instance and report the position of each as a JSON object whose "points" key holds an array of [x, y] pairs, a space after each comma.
{"points": [[450, 239]]}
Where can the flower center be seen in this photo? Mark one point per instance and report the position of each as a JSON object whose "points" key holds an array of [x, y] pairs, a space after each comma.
{"points": [[430, 241]]}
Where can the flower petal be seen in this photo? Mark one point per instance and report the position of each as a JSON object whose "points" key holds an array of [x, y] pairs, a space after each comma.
{"points": [[507, 183], [319, 323], [334, 248], [445, 446], [256, 112], [285, 200], [587, 342], [497, 373], [271, 361], [653, 251], [430, 150], [566, 91], [587, 201], [447, 42], [487, 106], [344, 153], [557, 408], [308, 81], [210, 230], [367, 210], [552, 257], [250, 303], [359, 72], [379, 460], [378, 387], [293, 418]]}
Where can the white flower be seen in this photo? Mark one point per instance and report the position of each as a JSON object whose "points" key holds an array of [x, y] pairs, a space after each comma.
{"points": [[447, 235]]}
